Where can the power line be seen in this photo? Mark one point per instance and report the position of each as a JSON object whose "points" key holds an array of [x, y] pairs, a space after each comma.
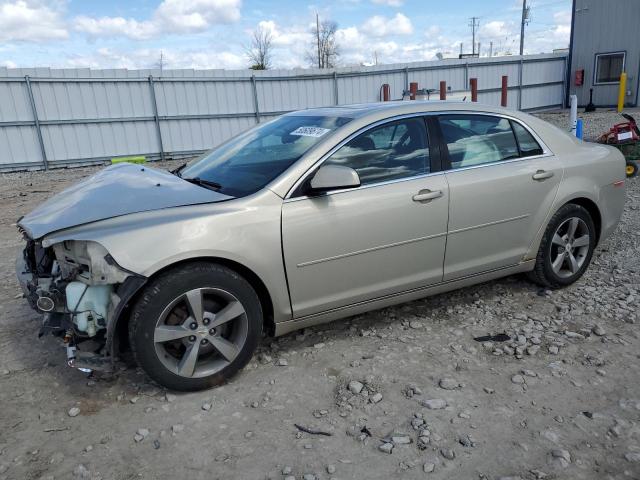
{"points": [[474, 23]]}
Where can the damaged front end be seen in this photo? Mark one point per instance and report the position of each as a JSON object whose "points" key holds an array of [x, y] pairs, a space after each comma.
{"points": [[81, 291]]}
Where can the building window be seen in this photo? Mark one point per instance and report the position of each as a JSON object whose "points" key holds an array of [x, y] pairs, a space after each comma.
{"points": [[609, 66]]}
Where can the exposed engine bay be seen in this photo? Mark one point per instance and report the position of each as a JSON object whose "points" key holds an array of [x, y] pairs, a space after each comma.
{"points": [[74, 284]]}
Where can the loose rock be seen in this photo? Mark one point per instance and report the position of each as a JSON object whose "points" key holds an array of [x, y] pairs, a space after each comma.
{"points": [[448, 383], [434, 403], [355, 387], [632, 457], [386, 447], [448, 453]]}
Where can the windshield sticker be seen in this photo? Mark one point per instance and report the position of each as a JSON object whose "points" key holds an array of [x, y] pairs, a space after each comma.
{"points": [[310, 131]]}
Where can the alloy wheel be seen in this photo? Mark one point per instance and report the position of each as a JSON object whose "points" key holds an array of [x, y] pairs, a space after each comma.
{"points": [[200, 332], [570, 247]]}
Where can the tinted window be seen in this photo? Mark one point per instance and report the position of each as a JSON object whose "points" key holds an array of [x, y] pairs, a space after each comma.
{"points": [[251, 160], [526, 142], [609, 67], [388, 152], [477, 139]]}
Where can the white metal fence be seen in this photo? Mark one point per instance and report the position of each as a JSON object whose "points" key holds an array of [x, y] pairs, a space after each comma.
{"points": [[52, 118]]}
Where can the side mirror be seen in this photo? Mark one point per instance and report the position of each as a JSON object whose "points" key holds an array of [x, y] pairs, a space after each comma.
{"points": [[334, 177]]}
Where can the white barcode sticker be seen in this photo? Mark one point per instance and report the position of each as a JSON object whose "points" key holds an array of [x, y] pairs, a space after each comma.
{"points": [[625, 136], [310, 131]]}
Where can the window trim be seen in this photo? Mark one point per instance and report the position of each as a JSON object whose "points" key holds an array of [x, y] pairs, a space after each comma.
{"points": [[595, 66], [446, 161], [515, 135], [438, 163], [436, 141]]}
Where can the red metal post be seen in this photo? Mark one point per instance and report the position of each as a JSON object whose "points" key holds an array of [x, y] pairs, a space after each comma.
{"points": [[503, 96], [386, 92], [473, 82], [443, 90], [413, 89]]}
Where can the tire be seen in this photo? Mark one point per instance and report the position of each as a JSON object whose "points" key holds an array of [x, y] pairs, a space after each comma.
{"points": [[565, 271], [631, 169], [195, 326]]}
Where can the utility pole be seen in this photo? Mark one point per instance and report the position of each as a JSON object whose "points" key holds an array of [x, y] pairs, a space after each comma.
{"points": [[525, 20], [479, 50], [473, 23], [490, 49], [460, 49], [318, 36]]}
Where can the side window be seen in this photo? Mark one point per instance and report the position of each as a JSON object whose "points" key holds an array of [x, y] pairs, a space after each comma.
{"points": [[391, 151], [609, 67], [477, 139], [526, 142]]}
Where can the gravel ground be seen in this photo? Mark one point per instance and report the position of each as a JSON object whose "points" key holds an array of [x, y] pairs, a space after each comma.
{"points": [[594, 123], [403, 392]]}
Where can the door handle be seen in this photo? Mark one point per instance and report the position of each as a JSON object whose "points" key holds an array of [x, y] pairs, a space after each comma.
{"points": [[424, 196], [541, 175]]}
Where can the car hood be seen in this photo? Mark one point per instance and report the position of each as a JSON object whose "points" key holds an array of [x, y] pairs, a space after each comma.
{"points": [[116, 190]]}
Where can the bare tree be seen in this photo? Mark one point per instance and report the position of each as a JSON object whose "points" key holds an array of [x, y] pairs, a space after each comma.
{"points": [[260, 50], [325, 52]]}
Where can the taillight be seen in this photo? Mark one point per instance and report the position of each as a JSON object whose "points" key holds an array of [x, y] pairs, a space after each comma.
{"points": [[619, 183]]}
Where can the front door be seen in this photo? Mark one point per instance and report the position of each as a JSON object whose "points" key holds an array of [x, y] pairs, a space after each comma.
{"points": [[502, 184], [382, 238]]}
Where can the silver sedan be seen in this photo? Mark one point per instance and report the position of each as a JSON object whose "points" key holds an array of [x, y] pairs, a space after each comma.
{"points": [[314, 216]]}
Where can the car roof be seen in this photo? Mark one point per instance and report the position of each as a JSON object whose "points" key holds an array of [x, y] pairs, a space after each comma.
{"points": [[399, 107]]}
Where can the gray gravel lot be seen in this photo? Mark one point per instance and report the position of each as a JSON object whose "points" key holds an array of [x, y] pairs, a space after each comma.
{"points": [[594, 123], [405, 392]]}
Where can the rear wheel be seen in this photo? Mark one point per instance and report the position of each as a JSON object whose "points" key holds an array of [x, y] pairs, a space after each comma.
{"points": [[566, 248], [195, 326], [632, 169]]}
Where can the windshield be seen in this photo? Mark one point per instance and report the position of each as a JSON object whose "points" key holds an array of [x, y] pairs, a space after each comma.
{"points": [[251, 160]]}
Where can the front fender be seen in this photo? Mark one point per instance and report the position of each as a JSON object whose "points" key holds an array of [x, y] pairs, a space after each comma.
{"points": [[245, 231]]}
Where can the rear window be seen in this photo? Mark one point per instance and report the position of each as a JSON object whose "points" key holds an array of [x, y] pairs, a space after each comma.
{"points": [[477, 139], [526, 142]]}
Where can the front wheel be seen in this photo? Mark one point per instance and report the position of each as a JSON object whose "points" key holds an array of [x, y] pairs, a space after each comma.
{"points": [[566, 247], [195, 326]]}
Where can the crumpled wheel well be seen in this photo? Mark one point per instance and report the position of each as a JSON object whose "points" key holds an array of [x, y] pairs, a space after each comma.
{"points": [[121, 335]]}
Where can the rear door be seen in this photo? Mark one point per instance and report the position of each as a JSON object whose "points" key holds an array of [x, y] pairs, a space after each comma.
{"points": [[385, 237], [502, 182]]}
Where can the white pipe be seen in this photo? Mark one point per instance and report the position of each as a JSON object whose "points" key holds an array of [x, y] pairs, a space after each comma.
{"points": [[573, 119]]}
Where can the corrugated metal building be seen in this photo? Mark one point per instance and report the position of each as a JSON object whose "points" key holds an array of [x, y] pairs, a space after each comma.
{"points": [[605, 41]]}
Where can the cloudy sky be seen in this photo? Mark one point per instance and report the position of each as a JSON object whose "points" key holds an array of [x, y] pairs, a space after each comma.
{"points": [[214, 33]]}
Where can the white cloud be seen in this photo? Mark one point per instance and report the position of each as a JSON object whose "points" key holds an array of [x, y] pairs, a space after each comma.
{"points": [[379, 26], [31, 21], [115, 26], [182, 16], [171, 16], [149, 58], [292, 36], [495, 29], [391, 3]]}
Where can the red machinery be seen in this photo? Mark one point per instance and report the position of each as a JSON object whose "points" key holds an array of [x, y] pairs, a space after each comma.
{"points": [[626, 137], [624, 132]]}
